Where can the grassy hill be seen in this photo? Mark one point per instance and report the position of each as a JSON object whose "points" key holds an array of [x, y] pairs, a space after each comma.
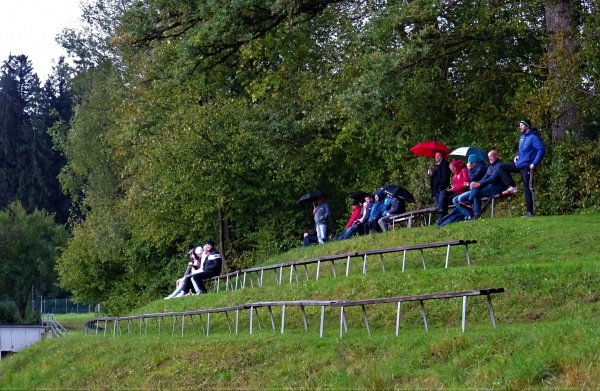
{"points": [[548, 333]]}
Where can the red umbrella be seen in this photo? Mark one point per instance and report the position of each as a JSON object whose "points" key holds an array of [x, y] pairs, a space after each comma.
{"points": [[429, 148]]}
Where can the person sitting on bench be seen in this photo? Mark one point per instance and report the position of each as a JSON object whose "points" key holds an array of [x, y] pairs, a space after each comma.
{"points": [[210, 266]]}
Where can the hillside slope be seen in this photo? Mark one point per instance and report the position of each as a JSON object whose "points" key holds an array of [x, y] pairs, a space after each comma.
{"points": [[547, 335]]}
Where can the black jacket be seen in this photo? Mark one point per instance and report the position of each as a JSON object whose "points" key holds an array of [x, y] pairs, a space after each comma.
{"points": [[440, 179]]}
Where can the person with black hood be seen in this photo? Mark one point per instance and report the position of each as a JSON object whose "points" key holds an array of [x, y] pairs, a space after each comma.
{"points": [[531, 152], [210, 266]]}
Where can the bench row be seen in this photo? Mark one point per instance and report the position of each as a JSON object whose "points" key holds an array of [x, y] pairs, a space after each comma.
{"points": [[94, 325], [426, 214], [239, 278]]}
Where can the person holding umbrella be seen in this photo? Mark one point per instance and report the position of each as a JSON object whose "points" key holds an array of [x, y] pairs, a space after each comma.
{"points": [[321, 214], [439, 178]]}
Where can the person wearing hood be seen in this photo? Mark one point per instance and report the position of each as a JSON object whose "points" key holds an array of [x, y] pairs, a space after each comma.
{"points": [[377, 211], [460, 184], [531, 152], [184, 284], [397, 206]]}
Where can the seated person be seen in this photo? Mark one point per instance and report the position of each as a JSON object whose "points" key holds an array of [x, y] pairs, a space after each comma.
{"points": [[377, 211], [397, 207], [490, 185], [460, 184], [210, 266], [184, 284], [358, 225], [309, 238]]}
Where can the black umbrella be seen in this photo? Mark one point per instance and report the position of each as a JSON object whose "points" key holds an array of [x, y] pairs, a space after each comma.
{"points": [[359, 195], [311, 196], [398, 191]]}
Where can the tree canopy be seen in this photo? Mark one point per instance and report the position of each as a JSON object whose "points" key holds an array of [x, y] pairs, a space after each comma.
{"points": [[198, 120]]}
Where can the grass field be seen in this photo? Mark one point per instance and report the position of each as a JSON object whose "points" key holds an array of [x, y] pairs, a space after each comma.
{"points": [[548, 334]]}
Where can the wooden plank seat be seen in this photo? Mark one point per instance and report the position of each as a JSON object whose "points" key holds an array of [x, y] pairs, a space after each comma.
{"points": [[412, 215], [420, 247], [485, 201], [247, 274], [421, 298], [94, 324], [253, 307]]}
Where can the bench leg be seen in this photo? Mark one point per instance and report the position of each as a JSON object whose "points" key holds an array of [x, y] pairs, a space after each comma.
{"points": [[493, 205], [237, 320], [347, 265], [272, 319], [207, 323], [228, 324], [306, 271], [202, 324], [182, 325], [318, 268], [398, 319], [464, 313], [322, 320], [341, 322], [304, 318], [364, 264], [468, 257], [291, 273], [382, 264], [489, 300], [282, 318], [424, 315], [423, 259], [447, 256], [403, 260], [366, 319], [333, 268]]}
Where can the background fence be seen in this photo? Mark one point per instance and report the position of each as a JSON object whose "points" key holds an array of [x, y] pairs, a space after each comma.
{"points": [[55, 306]]}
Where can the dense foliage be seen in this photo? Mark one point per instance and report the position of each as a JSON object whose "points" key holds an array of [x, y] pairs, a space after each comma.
{"points": [[29, 246], [209, 119]]}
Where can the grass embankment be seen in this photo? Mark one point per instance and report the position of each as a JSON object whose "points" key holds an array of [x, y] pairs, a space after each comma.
{"points": [[547, 336]]}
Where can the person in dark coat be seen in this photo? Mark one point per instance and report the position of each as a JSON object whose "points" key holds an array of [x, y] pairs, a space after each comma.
{"points": [[531, 152], [439, 178], [210, 266], [490, 184], [321, 214], [397, 207]]}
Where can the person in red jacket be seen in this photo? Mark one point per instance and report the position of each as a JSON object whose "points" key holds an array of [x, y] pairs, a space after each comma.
{"points": [[460, 184]]}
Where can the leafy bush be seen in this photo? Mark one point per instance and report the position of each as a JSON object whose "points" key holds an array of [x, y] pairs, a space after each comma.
{"points": [[8, 314]]}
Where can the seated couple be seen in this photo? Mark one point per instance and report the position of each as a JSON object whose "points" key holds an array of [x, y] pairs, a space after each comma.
{"points": [[205, 262]]}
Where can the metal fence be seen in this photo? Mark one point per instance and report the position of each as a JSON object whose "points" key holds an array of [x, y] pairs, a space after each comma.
{"points": [[56, 306]]}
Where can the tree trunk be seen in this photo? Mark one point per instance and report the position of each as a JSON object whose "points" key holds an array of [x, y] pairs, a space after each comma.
{"points": [[222, 228], [564, 78]]}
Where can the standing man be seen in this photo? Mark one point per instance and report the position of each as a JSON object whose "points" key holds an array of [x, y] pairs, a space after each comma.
{"points": [[531, 152], [440, 177], [321, 213]]}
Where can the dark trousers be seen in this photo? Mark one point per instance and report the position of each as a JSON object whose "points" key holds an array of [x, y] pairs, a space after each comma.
{"points": [[526, 176], [199, 277]]}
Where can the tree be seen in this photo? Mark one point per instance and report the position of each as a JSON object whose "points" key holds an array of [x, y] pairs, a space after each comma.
{"points": [[29, 246]]}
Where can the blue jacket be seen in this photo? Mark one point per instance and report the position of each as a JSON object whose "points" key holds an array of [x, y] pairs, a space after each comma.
{"points": [[531, 149], [492, 176], [322, 213], [378, 208], [477, 172]]}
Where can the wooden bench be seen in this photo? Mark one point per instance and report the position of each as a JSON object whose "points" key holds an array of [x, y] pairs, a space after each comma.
{"points": [[94, 324], [246, 274], [497, 198], [412, 215], [253, 307], [421, 299]]}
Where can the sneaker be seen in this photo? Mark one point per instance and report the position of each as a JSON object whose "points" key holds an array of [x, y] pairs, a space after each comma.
{"points": [[167, 298], [465, 205], [180, 294], [528, 214], [510, 190]]}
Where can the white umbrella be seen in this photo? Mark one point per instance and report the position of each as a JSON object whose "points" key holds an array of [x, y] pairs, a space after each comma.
{"points": [[464, 152]]}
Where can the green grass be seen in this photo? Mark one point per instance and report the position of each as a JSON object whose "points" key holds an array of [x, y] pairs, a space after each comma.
{"points": [[547, 336]]}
